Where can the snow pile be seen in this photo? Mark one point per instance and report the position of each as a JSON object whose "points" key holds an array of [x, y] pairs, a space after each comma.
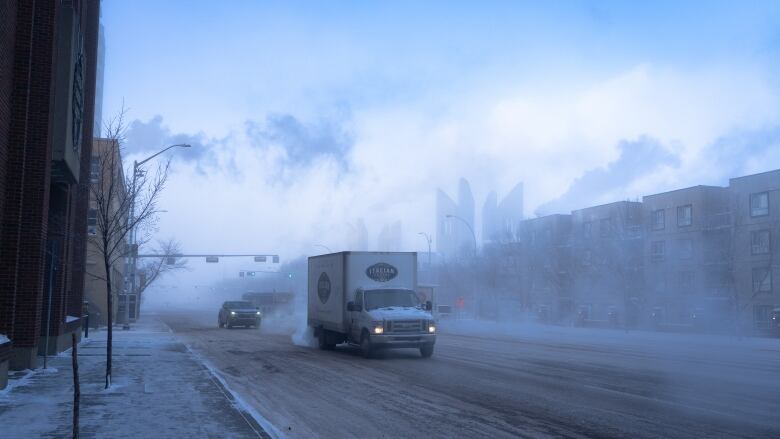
{"points": [[24, 377]]}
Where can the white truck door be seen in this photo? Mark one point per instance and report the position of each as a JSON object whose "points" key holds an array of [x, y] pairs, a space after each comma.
{"points": [[355, 315]]}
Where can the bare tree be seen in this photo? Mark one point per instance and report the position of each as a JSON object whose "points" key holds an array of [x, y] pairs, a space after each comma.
{"points": [[120, 204], [155, 268]]}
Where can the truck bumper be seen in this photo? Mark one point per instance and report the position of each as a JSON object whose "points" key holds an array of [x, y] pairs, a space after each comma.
{"points": [[243, 322], [390, 341]]}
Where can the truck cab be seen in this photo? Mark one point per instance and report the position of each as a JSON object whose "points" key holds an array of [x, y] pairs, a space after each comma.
{"points": [[391, 318]]}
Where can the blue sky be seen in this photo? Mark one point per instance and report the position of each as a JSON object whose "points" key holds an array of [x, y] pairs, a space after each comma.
{"points": [[206, 65], [320, 109]]}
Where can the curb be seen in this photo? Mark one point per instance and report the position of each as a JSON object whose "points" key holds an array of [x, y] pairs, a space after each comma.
{"points": [[256, 422], [261, 426]]}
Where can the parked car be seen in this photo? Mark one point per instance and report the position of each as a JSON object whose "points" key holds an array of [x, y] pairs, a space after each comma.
{"points": [[239, 313]]}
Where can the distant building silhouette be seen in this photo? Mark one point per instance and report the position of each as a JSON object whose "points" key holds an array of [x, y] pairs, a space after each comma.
{"points": [[390, 239], [500, 221], [452, 236]]}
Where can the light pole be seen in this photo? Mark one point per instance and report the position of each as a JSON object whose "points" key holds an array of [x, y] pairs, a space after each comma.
{"points": [[427, 239], [474, 277], [134, 250], [470, 230]]}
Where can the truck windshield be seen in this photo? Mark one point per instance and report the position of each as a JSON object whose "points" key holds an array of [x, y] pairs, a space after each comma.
{"points": [[389, 298], [238, 305]]}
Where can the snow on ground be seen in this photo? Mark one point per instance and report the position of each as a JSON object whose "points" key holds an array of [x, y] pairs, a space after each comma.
{"points": [[159, 389]]}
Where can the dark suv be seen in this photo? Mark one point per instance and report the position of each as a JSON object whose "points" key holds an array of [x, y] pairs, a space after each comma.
{"points": [[239, 313]]}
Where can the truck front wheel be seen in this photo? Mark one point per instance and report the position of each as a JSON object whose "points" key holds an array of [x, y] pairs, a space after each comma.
{"points": [[426, 350]]}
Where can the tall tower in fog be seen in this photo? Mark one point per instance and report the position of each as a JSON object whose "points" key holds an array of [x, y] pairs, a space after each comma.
{"points": [[501, 219], [453, 237]]}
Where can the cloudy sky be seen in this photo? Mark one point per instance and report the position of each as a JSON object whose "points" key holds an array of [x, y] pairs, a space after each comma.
{"points": [[307, 116]]}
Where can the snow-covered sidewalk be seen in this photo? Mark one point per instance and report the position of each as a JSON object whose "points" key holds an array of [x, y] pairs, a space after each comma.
{"points": [[160, 389]]}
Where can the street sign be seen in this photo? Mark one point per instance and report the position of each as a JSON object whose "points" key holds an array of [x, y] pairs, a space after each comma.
{"points": [[259, 258], [212, 259]]}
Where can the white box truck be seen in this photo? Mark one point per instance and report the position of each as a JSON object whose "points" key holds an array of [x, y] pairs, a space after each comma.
{"points": [[368, 299]]}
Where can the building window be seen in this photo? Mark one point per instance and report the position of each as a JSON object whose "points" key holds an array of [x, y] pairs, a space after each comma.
{"points": [[92, 222], [605, 227], [659, 219], [685, 247], [587, 256], [762, 280], [684, 215], [761, 315], [94, 171], [760, 242], [686, 280], [759, 204], [587, 229], [658, 251]]}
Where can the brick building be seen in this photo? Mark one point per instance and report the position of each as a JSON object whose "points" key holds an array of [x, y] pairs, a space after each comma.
{"points": [[47, 93]]}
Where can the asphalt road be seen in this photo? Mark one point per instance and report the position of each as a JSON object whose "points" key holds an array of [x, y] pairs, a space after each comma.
{"points": [[522, 383]]}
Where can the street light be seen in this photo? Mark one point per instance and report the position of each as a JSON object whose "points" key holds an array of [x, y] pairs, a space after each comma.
{"points": [[470, 230], [428, 239], [133, 266], [474, 278]]}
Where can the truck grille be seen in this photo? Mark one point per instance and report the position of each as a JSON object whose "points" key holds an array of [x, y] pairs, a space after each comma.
{"points": [[246, 315], [405, 326]]}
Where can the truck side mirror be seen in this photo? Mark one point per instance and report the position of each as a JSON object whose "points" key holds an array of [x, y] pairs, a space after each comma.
{"points": [[428, 305]]}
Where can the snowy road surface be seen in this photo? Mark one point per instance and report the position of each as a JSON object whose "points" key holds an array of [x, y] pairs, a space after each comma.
{"points": [[527, 382]]}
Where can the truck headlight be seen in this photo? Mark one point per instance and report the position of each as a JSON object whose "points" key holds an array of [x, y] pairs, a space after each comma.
{"points": [[232, 313], [258, 313], [379, 329], [431, 328]]}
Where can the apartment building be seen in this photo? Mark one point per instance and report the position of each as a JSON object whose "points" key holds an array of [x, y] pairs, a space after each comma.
{"points": [[546, 271], [607, 262], [686, 255], [755, 201]]}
